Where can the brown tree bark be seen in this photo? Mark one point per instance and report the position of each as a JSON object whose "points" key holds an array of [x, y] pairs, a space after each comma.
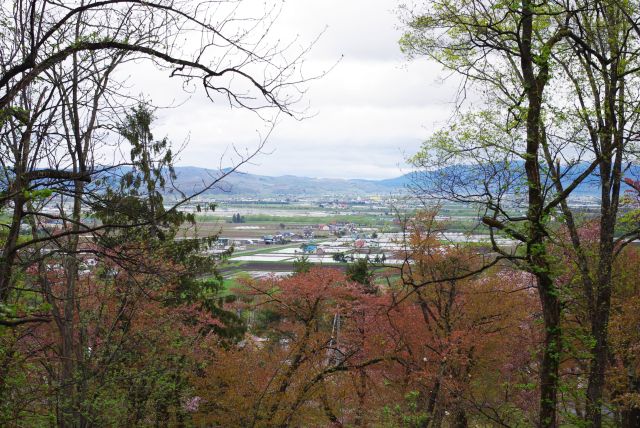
{"points": [[534, 85]]}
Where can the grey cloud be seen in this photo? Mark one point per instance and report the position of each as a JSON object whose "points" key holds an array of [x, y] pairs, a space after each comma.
{"points": [[371, 111], [364, 30]]}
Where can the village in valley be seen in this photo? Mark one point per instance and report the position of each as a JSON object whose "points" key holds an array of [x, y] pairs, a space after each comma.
{"points": [[260, 237], [263, 237]]}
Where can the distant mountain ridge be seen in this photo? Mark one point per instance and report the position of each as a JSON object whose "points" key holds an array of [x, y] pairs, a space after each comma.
{"points": [[191, 179]]}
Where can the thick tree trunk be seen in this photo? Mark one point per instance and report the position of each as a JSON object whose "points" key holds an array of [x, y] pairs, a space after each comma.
{"points": [[599, 329], [536, 250], [612, 144], [600, 323], [8, 256], [362, 393], [459, 419], [595, 385], [630, 418], [15, 191], [432, 401], [70, 377], [549, 369]]}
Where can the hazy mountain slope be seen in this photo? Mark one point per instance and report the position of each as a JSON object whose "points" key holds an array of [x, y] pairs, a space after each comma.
{"points": [[191, 179]]}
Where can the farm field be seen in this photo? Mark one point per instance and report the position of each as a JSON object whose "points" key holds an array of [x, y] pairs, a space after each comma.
{"points": [[325, 236]]}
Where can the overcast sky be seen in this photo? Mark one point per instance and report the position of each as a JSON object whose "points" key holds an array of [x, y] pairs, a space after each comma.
{"points": [[369, 113]]}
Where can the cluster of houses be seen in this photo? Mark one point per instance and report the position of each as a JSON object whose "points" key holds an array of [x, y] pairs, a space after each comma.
{"points": [[350, 234], [281, 238], [338, 228]]}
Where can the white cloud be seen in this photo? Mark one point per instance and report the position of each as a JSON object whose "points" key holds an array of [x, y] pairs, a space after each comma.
{"points": [[371, 111]]}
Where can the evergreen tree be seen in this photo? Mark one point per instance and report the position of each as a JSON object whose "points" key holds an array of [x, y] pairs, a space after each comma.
{"points": [[359, 272]]}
